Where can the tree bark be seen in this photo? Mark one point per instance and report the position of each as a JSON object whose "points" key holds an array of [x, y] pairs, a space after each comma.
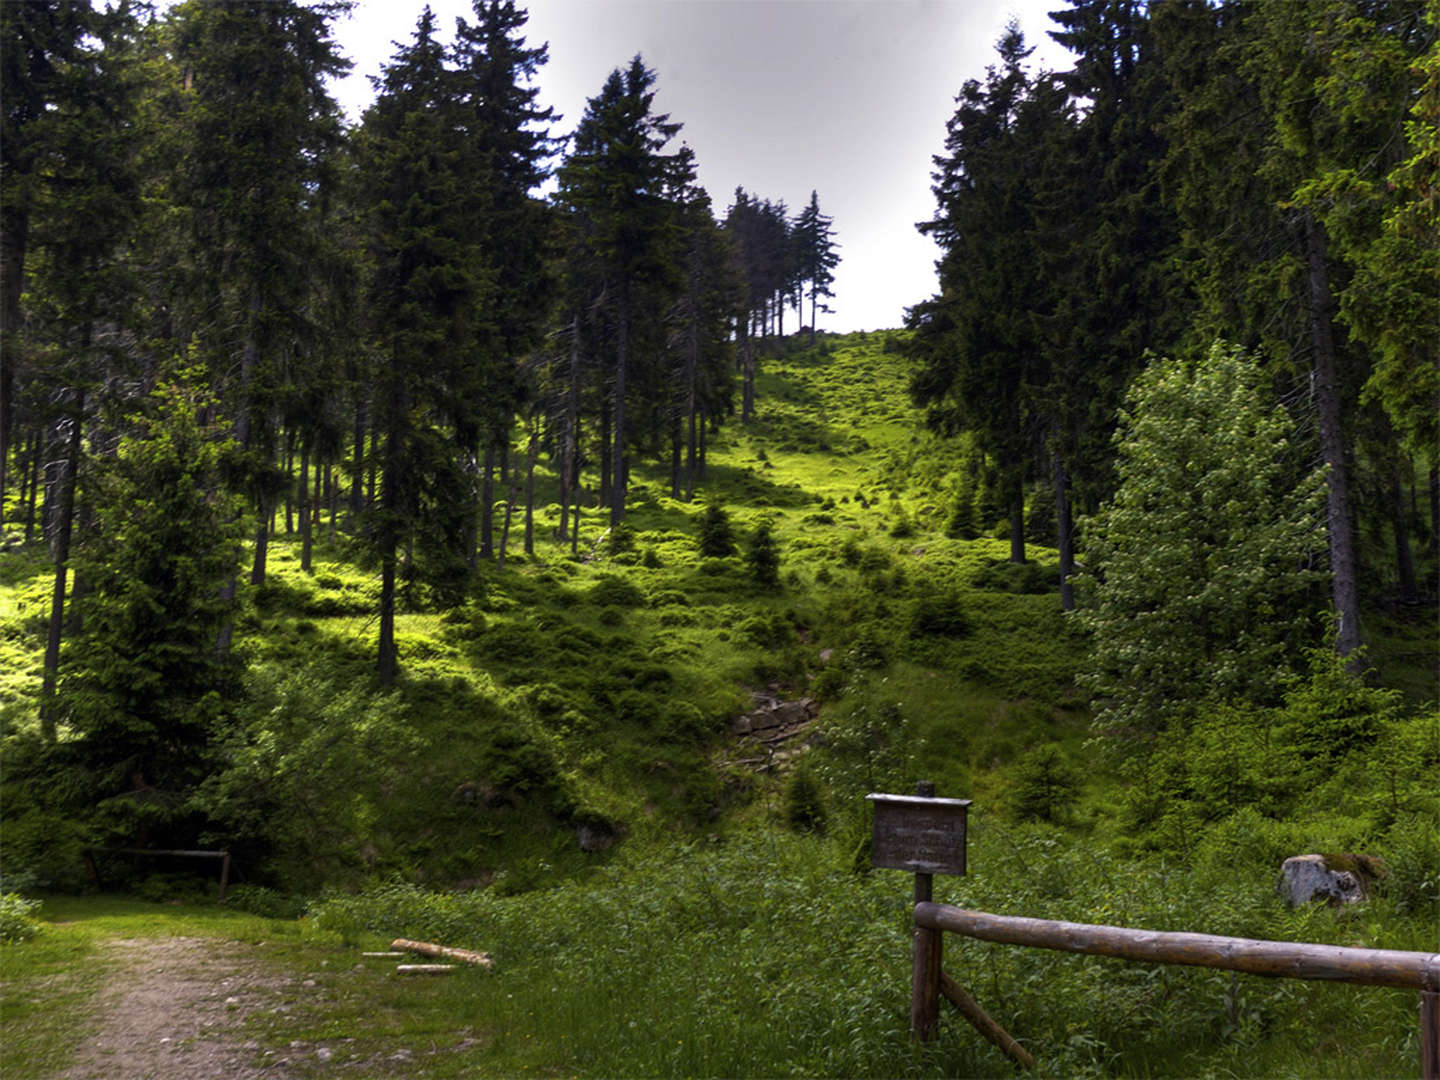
{"points": [[60, 551], [1404, 561], [1344, 579], [14, 233], [358, 476], [307, 525], [1064, 534], [530, 486], [37, 454], [487, 502], [1016, 506], [622, 364]]}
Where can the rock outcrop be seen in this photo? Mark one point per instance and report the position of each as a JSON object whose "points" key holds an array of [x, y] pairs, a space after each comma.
{"points": [[1337, 879], [775, 731]]}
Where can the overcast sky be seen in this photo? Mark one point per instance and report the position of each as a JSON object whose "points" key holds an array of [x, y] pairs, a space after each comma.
{"points": [[846, 97]]}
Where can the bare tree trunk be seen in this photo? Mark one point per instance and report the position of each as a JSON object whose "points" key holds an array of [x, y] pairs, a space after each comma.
{"points": [[303, 492], [1344, 580], [37, 455], [1017, 525], [290, 474], [1064, 533], [605, 458], [60, 553], [387, 659], [511, 478], [530, 486], [357, 478], [1435, 514], [487, 501], [1404, 561], [622, 363], [14, 233]]}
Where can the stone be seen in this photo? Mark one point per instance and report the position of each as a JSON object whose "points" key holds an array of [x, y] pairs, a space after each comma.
{"points": [[595, 836], [1337, 879]]}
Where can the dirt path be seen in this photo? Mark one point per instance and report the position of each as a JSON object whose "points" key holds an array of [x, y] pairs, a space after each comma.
{"points": [[174, 1009]]}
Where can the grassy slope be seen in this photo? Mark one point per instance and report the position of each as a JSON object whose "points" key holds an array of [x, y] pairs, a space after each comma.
{"points": [[599, 689], [558, 695]]}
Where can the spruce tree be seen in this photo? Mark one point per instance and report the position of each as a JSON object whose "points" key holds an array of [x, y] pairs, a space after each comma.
{"points": [[976, 341], [255, 128], [142, 689], [428, 293], [817, 256], [613, 190], [509, 140]]}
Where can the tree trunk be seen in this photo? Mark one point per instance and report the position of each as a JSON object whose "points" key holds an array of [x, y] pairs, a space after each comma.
{"points": [[1016, 502], [704, 427], [487, 502], [511, 479], [37, 455], [290, 474], [1344, 580], [530, 486], [1404, 562], [1063, 534], [1435, 514], [622, 363], [469, 448], [606, 425], [60, 552], [303, 493], [357, 477], [387, 659], [14, 233]]}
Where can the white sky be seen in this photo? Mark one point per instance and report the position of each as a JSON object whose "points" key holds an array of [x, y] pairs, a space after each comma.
{"points": [[848, 97]]}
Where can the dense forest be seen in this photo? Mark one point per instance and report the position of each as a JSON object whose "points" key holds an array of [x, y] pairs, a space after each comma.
{"points": [[428, 502]]}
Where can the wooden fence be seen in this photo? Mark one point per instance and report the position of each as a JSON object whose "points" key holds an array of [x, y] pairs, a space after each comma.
{"points": [[151, 853], [1279, 959]]}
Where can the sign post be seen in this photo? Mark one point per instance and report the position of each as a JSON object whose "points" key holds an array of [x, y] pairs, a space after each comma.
{"points": [[925, 835]]}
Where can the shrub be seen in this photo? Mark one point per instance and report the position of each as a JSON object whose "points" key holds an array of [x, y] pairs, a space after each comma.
{"points": [[939, 614], [622, 539], [17, 918], [612, 591], [267, 903], [763, 557], [717, 535], [804, 805], [1045, 786]]}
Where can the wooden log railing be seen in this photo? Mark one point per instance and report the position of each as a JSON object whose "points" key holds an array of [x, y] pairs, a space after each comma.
{"points": [[1277, 959], [224, 857]]}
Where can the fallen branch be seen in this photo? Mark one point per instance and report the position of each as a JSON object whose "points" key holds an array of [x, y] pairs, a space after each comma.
{"points": [[424, 948], [424, 969]]}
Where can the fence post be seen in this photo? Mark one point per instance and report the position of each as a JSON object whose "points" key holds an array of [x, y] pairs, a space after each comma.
{"points": [[925, 978], [1430, 1034]]}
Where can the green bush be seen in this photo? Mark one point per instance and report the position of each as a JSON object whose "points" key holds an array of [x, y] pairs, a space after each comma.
{"points": [[1044, 787], [267, 903], [763, 557], [613, 591], [17, 918], [939, 614], [804, 803], [717, 535]]}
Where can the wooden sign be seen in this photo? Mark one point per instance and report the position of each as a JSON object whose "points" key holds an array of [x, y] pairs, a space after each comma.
{"points": [[918, 833]]}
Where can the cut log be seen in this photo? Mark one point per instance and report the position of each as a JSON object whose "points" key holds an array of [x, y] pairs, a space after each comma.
{"points": [[424, 969], [384, 955], [444, 952]]}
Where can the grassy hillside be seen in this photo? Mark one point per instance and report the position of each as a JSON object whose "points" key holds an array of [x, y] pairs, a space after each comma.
{"points": [[723, 898], [596, 690]]}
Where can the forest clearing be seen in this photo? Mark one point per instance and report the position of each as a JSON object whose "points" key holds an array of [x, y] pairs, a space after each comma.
{"points": [[423, 529]]}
